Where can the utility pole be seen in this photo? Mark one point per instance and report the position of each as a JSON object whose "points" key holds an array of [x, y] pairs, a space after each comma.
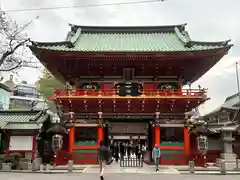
{"points": [[237, 75]]}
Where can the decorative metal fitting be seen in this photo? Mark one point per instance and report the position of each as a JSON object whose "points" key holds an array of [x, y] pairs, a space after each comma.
{"points": [[157, 115], [100, 115]]}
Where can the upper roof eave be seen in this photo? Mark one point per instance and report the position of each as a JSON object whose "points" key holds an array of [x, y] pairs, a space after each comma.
{"points": [[231, 97], [127, 28], [219, 109], [123, 52], [36, 44], [77, 29], [223, 43]]}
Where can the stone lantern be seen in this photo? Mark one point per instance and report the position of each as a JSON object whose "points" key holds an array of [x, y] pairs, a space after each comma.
{"points": [[228, 157]]}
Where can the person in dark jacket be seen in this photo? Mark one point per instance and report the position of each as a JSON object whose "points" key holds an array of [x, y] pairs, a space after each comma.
{"points": [[116, 151], [138, 151], [122, 150], [129, 150], [103, 155], [112, 148]]}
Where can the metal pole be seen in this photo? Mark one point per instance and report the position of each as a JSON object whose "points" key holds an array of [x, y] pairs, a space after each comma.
{"points": [[238, 86]]}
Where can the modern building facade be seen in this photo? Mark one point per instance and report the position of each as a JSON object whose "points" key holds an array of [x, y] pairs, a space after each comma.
{"points": [[125, 84], [26, 96], [4, 97]]}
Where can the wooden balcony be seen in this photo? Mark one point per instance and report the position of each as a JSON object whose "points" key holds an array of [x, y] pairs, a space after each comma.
{"points": [[146, 94]]}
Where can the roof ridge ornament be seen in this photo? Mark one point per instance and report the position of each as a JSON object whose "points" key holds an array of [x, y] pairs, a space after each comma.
{"points": [[182, 37], [74, 37]]}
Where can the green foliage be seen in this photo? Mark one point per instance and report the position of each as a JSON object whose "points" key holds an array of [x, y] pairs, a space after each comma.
{"points": [[46, 86]]}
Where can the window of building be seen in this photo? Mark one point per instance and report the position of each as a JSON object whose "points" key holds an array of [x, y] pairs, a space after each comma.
{"points": [[172, 134], [85, 136]]}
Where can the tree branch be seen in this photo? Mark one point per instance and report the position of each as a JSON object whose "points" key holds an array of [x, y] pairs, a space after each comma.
{"points": [[12, 39], [12, 68], [8, 53]]}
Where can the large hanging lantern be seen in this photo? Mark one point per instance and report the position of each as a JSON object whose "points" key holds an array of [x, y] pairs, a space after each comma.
{"points": [[57, 142], [202, 142]]}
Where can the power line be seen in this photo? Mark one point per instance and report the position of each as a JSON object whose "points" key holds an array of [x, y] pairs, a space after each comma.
{"points": [[83, 6]]}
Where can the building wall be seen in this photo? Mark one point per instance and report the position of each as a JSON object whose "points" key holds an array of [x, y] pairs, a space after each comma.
{"points": [[26, 90], [215, 144], [24, 96], [18, 102], [4, 99]]}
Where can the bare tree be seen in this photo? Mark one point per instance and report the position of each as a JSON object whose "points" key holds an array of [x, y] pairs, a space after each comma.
{"points": [[14, 52]]}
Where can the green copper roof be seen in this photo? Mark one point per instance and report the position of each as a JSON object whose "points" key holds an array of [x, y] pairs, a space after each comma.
{"points": [[21, 117], [129, 39]]}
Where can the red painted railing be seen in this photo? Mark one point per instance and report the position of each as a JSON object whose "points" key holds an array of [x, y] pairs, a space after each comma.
{"points": [[113, 92]]}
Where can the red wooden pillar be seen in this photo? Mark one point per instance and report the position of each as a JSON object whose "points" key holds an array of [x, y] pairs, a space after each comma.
{"points": [[157, 135], [34, 147], [153, 136], [186, 142], [100, 128], [71, 139], [157, 129], [100, 134], [7, 146]]}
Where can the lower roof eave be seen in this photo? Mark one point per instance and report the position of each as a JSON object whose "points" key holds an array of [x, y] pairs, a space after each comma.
{"points": [[22, 126], [127, 97], [52, 49]]}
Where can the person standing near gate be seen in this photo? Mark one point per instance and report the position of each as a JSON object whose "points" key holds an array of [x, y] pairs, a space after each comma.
{"points": [[116, 151], [103, 155], [112, 148], [129, 150], [122, 150], [138, 151], [156, 156]]}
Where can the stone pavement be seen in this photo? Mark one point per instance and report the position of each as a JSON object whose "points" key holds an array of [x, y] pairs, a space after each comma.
{"points": [[82, 176], [115, 168]]}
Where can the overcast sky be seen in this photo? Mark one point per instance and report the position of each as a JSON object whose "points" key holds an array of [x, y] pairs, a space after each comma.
{"points": [[208, 20]]}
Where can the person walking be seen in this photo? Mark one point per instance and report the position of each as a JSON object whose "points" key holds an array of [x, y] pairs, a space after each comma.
{"points": [[116, 152], [129, 150], [112, 148], [122, 150], [156, 156], [138, 151], [103, 155]]}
